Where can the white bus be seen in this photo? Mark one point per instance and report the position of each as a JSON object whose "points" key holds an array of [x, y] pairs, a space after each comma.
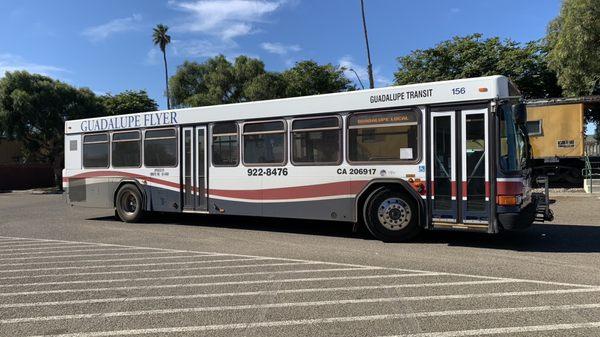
{"points": [[444, 155]]}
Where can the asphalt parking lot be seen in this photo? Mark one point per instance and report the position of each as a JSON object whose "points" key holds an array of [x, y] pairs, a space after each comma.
{"points": [[78, 272]]}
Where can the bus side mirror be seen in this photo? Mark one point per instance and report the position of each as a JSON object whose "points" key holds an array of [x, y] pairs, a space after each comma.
{"points": [[520, 113]]}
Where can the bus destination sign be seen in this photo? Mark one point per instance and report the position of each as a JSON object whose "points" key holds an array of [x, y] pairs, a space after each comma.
{"points": [[130, 121], [388, 117], [401, 96]]}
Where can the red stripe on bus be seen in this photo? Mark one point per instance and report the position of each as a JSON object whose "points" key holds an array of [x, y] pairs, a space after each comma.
{"points": [[121, 174], [294, 192], [509, 187]]}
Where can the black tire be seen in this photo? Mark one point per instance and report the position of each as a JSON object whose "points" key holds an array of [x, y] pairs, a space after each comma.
{"points": [[391, 216], [129, 204]]}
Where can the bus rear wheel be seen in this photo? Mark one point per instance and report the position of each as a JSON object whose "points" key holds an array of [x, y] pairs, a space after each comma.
{"points": [[391, 216], [129, 205]]}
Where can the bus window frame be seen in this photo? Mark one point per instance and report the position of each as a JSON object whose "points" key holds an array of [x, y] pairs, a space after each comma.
{"points": [[140, 140], [176, 143], [340, 128], [239, 143], [83, 143], [285, 142], [418, 123]]}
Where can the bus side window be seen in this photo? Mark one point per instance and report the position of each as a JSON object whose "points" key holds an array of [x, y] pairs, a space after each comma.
{"points": [[384, 137], [264, 143], [316, 141], [95, 151], [225, 149], [126, 149], [160, 148]]}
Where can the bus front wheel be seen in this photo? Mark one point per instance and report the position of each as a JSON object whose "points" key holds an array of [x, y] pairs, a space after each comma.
{"points": [[391, 216], [129, 204]]}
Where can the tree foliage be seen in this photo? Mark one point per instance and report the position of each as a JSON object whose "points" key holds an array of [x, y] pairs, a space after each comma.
{"points": [[473, 56], [33, 109], [161, 38], [218, 81], [574, 42], [128, 102], [309, 78]]}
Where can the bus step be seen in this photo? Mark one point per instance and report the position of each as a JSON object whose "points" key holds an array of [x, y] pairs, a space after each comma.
{"points": [[460, 226]]}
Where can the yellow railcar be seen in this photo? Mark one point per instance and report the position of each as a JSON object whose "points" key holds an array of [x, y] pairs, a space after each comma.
{"points": [[556, 129]]}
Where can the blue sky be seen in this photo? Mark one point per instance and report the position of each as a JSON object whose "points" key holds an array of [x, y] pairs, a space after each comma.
{"points": [[106, 45]]}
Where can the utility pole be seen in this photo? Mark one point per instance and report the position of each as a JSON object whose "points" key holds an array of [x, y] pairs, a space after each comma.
{"points": [[369, 66]]}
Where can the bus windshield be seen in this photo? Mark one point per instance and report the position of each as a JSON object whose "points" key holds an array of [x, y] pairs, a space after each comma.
{"points": [[513, 143]]}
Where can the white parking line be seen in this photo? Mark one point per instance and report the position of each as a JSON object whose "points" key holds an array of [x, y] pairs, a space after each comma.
{"points": [[92, 249], [306, 290], [301, 304], [107, 260], [43, 249], [208, 284], [162, 270], [507, 330], [135, 265], [334, 263], [183, 277], [85, 255], [345, 319], [33, 244], [236, 255]]}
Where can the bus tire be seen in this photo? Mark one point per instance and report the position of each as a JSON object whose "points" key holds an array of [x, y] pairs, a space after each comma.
{"points": [[129, 204], [391, 216]]}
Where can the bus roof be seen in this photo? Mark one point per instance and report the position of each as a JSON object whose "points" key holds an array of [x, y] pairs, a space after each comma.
{"points": [[475, 89]]}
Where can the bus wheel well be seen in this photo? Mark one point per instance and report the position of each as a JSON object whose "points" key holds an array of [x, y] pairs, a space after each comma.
{"points": [[397, 186], [132, 183]]}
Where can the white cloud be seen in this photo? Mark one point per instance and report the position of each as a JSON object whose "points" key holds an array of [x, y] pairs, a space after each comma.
{"points": [[101, 32], [225, 19], [152, 57], [278, 48], [348, 63], [10, 62], [201, 48]]}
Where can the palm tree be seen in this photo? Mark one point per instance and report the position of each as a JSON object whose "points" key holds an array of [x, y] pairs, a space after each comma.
{"points": [[162, 39]]}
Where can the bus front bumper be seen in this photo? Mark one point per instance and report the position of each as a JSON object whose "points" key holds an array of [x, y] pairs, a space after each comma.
{"points": [[520, 219]]}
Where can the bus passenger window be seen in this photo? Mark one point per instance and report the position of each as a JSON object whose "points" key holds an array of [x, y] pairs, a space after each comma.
{"points": [[384, 137], [160, 148], [316, 141], [225, 144], [126, 149], [95, 151], [264, 143]]}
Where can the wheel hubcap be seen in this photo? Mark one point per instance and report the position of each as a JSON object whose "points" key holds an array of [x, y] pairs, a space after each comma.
{"points": [[394, 214], [129, 203]]}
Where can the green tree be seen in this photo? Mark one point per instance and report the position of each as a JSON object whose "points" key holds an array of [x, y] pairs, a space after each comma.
{"points": [[309, 78], [218, 81], [473, 56], [162, 39], [128, 102], [269, 85], [574, 42], [33, 109], [215, 81]]}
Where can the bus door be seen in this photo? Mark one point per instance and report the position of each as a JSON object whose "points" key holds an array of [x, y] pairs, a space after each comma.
{"points": [[194, 169], [459, 192]]}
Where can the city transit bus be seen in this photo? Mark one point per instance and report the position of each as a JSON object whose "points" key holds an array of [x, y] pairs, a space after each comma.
{"points": [[443, 155]]}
